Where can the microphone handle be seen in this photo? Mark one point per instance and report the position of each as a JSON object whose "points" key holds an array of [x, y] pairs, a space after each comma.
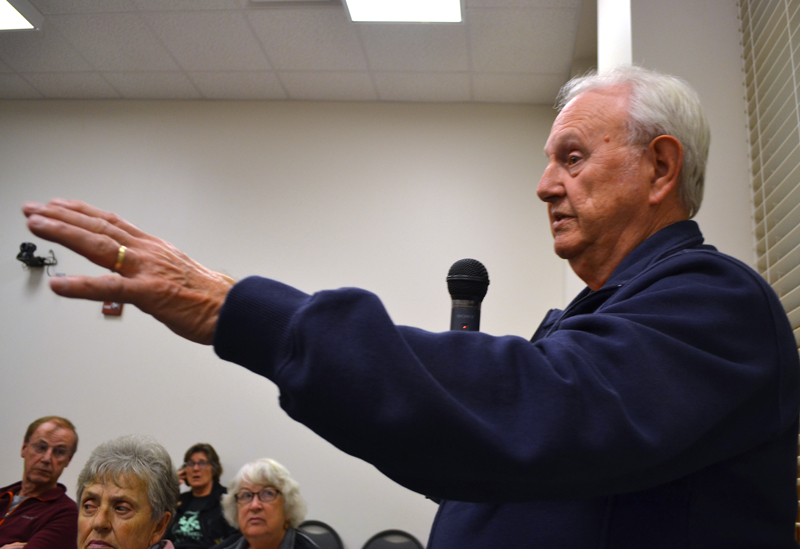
{"points": [[466, 315]]}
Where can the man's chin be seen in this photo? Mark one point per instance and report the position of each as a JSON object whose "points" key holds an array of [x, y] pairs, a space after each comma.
{"points": [[40, 478], [568, 245], [563, 251]]}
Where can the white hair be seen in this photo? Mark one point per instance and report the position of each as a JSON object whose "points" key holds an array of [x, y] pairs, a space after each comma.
{"points": [[266, 472], [660, 104]]}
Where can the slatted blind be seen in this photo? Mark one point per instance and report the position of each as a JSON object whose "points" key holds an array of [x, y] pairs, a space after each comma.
{"points": [[771, 48]]}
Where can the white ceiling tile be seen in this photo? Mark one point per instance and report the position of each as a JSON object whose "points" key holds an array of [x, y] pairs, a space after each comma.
{"points": [[207, 41], [47, 7], [329, 86], [152, 85], [426, 87], [186, 5], [516, 88], [308, 38], [13, 86], [392, 47], [238, 85], [41, 51], [115, 42], [522, 40], [566, 4], [71, 85]]}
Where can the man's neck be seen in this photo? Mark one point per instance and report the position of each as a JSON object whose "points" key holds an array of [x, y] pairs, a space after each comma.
{"points": [[31, 490], [595, 271]]}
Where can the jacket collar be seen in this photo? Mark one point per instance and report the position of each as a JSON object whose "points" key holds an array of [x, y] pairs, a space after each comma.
{"points": [[678, 236], [53, 493]]}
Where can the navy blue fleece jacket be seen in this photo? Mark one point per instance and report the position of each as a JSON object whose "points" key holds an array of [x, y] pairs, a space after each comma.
{"points": [[658, 411]]}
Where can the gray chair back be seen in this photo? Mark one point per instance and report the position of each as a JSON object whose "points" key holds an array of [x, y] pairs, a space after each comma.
{"points": [[393, 539], [321, 534]]}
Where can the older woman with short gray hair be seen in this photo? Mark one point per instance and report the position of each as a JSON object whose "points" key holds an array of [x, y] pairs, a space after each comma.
{"points": [[127, 493], [264, 503]]}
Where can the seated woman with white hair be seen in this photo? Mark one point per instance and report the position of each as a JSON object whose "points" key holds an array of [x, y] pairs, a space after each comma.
{"points": [[127, 494], [264, 503]]}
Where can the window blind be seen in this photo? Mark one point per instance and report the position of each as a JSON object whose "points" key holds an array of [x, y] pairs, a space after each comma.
{"points": [[771, 50]]}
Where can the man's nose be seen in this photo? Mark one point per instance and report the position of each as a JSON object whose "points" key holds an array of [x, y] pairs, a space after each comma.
{"points": [[550, 186]]}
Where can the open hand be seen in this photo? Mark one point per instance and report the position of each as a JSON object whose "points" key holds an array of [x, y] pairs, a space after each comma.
{"points": [[155, 276]]}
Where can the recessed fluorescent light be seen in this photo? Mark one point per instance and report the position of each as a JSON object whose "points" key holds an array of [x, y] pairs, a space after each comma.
{"points": [[19, 15], [406, 11]]}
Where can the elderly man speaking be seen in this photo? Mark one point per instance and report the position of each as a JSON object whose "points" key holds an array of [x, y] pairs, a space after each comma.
{"points": [[658, 410]]}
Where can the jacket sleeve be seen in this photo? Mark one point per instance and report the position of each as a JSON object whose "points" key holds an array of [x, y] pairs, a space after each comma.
{"points": [[671, 372], [60, 531]]}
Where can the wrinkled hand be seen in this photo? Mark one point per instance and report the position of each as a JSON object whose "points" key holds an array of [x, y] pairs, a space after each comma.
{"points": [[156, 277]]}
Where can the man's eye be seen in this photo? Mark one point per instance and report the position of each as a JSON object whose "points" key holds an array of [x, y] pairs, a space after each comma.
{"points": [[573, 159], [89, 508], [123, 509]]}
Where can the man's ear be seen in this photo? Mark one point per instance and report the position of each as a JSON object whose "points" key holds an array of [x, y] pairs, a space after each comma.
{"points": [[666, 153]]}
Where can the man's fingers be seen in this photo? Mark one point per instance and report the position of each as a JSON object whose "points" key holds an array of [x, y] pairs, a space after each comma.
{"points": [[94, 288], [86, 221], [108, 217], [157, 278], [97, 248]]}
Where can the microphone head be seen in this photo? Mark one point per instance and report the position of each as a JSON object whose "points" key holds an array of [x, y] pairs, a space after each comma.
{"points": [[468, 279]]}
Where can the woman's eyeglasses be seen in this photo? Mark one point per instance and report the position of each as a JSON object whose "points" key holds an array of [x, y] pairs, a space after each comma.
{"points": [[267, 495]]}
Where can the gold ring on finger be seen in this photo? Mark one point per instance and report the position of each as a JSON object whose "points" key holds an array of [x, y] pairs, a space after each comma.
{"points": [[120, 258]]}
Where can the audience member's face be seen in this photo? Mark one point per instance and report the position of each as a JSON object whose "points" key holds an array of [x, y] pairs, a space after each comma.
{"points": [[259, 520], [595, 184], [197, 475], [118, 517], [46, 454]]}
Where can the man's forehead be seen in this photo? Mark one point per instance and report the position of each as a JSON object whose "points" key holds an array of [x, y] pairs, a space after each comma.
{"points": [[557, 138], [51, 431], [588, 114]]}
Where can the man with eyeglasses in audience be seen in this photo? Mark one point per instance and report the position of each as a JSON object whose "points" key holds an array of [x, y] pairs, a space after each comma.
{"points": [[36, 512]]}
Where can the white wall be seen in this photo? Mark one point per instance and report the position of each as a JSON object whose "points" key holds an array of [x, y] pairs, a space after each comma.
{"points": [[380, 196], [700, 42]]}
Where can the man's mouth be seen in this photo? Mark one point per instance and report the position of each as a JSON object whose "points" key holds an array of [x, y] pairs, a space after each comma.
{"points": [[559, 219]]}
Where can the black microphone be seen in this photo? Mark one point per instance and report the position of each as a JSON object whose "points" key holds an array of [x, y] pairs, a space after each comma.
{"points": [[467, 282]]}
